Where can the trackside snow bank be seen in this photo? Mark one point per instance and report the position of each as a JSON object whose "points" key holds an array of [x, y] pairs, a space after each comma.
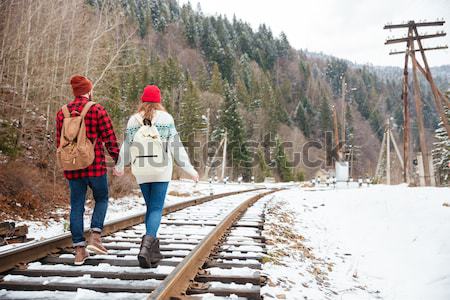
{"points": [[381, 242]]}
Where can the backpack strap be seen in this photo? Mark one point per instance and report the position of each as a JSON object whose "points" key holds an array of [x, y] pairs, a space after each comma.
{"points": [[66, 111], [148, 122], [140, 119], [86, 108]]}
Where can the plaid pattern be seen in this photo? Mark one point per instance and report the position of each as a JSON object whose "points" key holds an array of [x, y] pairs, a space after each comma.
{"points": [[99, 128]]}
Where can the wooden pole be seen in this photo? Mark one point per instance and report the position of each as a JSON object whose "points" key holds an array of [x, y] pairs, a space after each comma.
{"points": [[224, 158], [406, 130], [440, 100], [212, 160], [397, 151], [437, 95], [336, 133], [388, 153], [380, 156], [419, 117], [351, 161], [205, 175], [343, 137], [207, 125]]}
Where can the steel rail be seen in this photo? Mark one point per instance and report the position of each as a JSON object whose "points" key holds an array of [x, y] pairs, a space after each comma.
{"points": [[40, 249], [178, 281]]}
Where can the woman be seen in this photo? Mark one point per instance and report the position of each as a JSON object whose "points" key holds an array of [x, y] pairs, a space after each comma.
{"points": [[153, 182]]}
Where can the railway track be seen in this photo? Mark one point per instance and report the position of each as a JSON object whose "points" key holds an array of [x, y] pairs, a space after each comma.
{"points": [[210, 245]]}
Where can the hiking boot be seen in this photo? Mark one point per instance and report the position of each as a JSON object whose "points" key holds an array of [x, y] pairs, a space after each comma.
{"points": [[156, 253], [80, 255], [95, 243], [149, 253]]}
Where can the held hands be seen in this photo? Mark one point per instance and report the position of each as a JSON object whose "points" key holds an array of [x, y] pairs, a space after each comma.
{"points": [[195, 177]]}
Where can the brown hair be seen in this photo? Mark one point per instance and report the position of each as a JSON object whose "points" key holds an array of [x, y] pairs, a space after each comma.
{"points": [[148, 108]]}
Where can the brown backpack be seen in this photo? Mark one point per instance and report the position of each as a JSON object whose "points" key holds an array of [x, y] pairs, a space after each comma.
{"points": [[75, 150]]}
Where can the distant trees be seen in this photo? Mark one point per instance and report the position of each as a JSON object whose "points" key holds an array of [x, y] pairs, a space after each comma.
{"points": [[216, 83], [303, 117], [282, 165], [335, 70], [231, 124], [255, 81], [191, 121], [325, 115]]}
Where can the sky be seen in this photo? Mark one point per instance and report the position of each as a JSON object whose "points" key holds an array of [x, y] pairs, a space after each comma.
{"points": [[349, 29]]}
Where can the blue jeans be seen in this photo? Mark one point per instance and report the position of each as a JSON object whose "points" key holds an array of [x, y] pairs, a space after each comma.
{"points": [[78, 189], [154, 194]]}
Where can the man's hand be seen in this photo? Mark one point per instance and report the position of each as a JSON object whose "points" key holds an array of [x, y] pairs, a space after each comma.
{"points": [[118, 173]]}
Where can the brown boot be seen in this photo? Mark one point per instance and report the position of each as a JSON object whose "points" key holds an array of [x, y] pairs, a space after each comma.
{"points": [[80, 255], [95, 243], [156, 253], [149, 254]]}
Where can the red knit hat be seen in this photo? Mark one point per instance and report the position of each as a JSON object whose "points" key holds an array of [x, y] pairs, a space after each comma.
{"points": [[80, 85], [151, 94]]}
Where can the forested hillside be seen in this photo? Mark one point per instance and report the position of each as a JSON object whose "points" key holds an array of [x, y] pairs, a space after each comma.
{"points": [[251, 84]]}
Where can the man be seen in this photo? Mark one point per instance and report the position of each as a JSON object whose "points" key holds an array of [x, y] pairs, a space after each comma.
{"points": [[100, 132]]}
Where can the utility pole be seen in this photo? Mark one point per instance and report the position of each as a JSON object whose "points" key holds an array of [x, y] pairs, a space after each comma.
{"points": [[440, 101], [343, 137], [388, 137], [336, 133], [224, 158], [388, 153], [207, 125], [419, 117], [378, 170], [207, 143]]}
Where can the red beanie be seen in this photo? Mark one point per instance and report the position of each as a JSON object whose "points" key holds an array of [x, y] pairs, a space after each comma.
{"points": [[151, 94], [80, 85]]}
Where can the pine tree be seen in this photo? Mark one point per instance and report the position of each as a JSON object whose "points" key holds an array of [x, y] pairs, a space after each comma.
{"points": [[231, 122], [336, 68], [441, 152], [283, 46], [263, 168], [191, 29], [283, 168], [301, 121], [216, 85], [210, 44], [191, 121], [203, 80], [174, 10], [325, 115], [171, 74], [376, 123], [158, 15], [242, 93], [142, 16], [247, 73], [269, 103]]}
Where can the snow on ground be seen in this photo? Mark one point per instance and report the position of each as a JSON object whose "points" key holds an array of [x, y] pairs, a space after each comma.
{"points": [[179, 190], [378, 242]]}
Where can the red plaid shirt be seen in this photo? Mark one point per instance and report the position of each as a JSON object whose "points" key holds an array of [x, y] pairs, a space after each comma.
{"points": [[99, 128]]}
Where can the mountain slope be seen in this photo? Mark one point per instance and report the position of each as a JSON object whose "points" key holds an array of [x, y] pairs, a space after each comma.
{"points": [[253, 85]]}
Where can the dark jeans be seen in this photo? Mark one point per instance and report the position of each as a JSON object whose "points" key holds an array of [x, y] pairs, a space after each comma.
{"points": [[154, 194], [78, 189]]}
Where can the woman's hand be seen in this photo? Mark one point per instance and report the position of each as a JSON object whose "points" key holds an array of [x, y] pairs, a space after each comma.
{"points": [[195, 177]]}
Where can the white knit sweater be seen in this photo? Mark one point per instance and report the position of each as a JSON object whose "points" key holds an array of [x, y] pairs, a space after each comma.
{"points": [[166, 128]]}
